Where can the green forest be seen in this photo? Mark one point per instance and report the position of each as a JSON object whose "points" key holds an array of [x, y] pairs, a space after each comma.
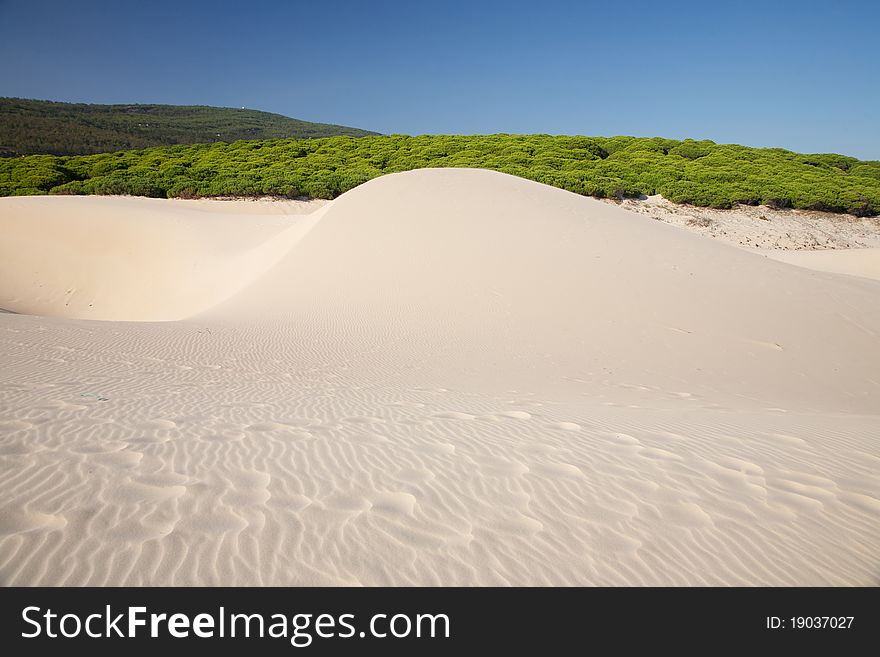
{"points": [[701, 173], [29, 127]]}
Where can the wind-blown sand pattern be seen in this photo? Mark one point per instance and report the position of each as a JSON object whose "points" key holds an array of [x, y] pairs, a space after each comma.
{"points": [[443, 377]]}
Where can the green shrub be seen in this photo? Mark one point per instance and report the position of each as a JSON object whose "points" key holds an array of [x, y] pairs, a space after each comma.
{"points": [[697, 172], [70, 188], [692, 150]]}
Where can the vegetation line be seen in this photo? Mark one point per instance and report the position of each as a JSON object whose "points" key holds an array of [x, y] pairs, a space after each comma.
{"points": [[697, 172]]}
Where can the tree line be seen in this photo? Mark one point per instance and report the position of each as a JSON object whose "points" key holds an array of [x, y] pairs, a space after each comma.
{"points": [[700, 173]]}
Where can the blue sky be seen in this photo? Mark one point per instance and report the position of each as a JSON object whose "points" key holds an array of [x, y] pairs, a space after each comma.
{"points": [[800, 75]]}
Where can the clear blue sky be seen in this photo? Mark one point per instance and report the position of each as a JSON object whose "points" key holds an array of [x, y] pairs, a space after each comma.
{"points": [[801, 75]]}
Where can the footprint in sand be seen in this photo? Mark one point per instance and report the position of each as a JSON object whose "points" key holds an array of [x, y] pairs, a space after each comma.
{"points": [[558, 469], [624, 439], [248, 487], [687, 514], [565, 426], [15, 521], [786, 438], [454, 415], [402, 503], [136, 492], [516, 415], [658, 454]]}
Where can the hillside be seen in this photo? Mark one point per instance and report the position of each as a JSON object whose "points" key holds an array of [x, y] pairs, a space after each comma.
{"points": [[30, 127], [699, 173]]}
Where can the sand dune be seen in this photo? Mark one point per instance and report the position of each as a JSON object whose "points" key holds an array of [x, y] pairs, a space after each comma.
{"points": [[133, 258], [853, 262], [442, 377]]}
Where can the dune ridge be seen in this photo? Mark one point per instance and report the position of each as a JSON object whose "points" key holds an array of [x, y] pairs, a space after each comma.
{"points": [[442, 377]]}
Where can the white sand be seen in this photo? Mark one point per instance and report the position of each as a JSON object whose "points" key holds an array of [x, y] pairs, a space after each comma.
{"points": [[761, 227], [135, 258], [854, 262], [442, 377]]}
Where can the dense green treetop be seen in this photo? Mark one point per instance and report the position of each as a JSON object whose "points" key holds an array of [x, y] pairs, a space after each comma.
{"points": [[29, 127], [696, 172]]}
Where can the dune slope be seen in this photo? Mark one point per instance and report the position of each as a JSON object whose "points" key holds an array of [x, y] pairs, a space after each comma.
{"points": [[442, 377], [853, 262], [134, 259]]}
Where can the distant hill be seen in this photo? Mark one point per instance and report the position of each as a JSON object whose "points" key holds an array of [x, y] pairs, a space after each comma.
{"points": [[29, 127]]}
